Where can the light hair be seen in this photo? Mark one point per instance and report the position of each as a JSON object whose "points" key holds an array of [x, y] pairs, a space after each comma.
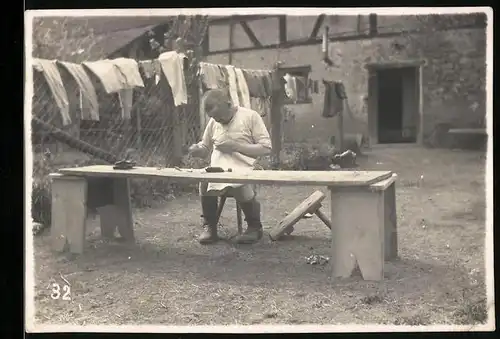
{"points": [[216, 96]]}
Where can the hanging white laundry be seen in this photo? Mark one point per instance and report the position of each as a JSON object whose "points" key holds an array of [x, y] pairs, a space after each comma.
{"points": [[126, 101], [172, 65], [290, 87], [112, 80], [129, 68], [89, 106], [243, 88], [118, 76], [56, 86], [233, 85]]}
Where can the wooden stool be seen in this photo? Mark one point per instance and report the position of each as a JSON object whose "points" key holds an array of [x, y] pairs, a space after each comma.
{"points": [[220, 207], [311, 205], [239, 215]]}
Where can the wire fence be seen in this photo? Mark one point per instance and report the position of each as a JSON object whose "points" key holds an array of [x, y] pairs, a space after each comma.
{"points": [[149, 134]]}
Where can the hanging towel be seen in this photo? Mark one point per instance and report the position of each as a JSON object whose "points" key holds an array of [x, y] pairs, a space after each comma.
{"points": [[261, 106], [212, 76], [208, 75], [126, 101], [294, 89], [55, 83], [105, 70], [313, 86], [268, 82], [340, 90], [150, 68], [302, 91], [233, 85], [129, 69], [172, 66], [89, 106], [252, 83], [242, 88], [256, 82], [332, 104], [290, 87], [87, 109]]}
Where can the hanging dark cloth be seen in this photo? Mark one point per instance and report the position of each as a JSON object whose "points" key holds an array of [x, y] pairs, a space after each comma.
{"points": [[332, 104], [340, 90]]}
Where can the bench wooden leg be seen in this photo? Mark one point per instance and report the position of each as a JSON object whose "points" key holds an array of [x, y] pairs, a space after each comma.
{"points": [[121, 193], [311, 204], [117, 214], [239, 218], [357, 232], [391, 233], [69, 211], [323, 217]]}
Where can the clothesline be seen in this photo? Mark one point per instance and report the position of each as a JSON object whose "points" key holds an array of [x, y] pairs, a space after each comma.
{"points": [[252, 88]]}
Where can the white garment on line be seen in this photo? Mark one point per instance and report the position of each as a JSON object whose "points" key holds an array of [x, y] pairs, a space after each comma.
{"points": [[129, 69], [243, 88], [112, 80], [87, 109], [118, 76], [56, 86], [89, 105], [290, 87], [172, 65], [233, 85], [126, 101]]}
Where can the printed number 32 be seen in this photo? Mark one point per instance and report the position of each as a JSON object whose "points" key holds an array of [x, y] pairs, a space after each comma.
{"points": [[56, 292]]}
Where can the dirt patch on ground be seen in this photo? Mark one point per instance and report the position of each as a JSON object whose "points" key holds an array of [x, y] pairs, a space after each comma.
{"points": [[168, 278]]}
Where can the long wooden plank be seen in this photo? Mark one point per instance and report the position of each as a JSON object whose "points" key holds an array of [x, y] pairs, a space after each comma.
{"points": [[265, 177]]}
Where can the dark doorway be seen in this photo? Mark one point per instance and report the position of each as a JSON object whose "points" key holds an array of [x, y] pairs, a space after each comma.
{"points": [[397, 105]]}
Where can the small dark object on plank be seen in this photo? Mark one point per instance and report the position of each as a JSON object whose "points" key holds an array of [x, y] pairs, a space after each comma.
{"points": [[124, 165], [217, 170]]}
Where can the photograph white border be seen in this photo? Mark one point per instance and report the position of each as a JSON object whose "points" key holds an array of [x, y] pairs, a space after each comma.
{"points": [[30, 324]]}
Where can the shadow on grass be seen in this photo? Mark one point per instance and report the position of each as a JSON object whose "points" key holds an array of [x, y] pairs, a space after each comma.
{"points": [[229, 263]]}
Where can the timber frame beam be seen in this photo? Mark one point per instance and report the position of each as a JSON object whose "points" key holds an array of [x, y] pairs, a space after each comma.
{"points": [[250, 34], [282, 29], [317, 26], [316, 40]]}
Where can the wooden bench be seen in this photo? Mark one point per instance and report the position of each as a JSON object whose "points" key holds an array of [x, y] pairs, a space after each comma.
{"points": [[356, 237], [468, 131], [468, 138], [375, 219]]}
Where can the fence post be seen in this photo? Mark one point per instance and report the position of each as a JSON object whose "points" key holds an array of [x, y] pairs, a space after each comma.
{"points": [[165, 138], [203, 117], [276, 114], [177, 137], [340, 127], [138, 128]]}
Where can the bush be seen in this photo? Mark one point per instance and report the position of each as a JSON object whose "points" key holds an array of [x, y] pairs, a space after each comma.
{"points": [[41, 195], [147, 192], [301, 157]]}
